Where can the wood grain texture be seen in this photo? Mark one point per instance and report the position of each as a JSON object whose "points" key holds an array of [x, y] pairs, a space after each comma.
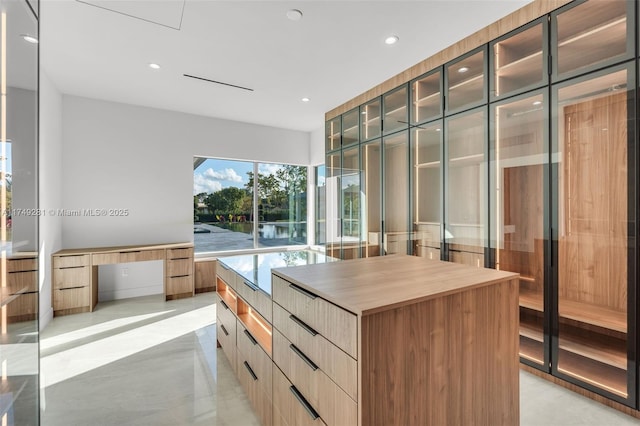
{"points": [[71, 261], [204, 275], [86, 250], [255, 389], [260, 362], [256, 324], [339, 366], [287, 406], [71, 277], [336, 324], [501, 27], [410, 279], [22, 264], [226, 335], [22, 281], [70, 298], [143, 255], [329, 400], [451, 360], [179, 267]]}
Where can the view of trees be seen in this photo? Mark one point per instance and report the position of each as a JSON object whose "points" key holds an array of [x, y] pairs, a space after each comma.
{"points": [[276, 194]]}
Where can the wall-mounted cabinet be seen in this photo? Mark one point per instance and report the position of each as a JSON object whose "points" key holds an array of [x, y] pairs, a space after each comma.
{"points": [[591, 34], [370, 120], [466, 81], [396, 110], [518, 61], [426, 97]]}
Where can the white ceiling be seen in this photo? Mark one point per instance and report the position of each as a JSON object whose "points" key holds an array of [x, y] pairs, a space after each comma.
{"points": [[335, 52]]}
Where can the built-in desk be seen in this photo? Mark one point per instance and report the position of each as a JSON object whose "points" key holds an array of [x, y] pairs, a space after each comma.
{"points": [[74, 275]]}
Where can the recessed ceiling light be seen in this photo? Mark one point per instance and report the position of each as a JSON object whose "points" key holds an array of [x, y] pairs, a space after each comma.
{"points": [[154, 66], [438, 129], [29, 38], [537, 103], [392, 39], [463, 69], [305, 99], [294, 14]]}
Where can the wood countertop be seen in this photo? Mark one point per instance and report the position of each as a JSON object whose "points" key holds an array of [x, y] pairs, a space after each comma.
{"points": [[376, 284]]}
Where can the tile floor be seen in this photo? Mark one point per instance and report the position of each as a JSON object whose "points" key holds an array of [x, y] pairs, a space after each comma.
{"points": [[144, 361]]}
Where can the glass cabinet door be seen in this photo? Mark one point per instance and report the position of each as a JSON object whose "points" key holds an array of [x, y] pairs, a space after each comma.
{"points": [[465, 187], [396, 194], [591, 34], [426, 145], [426, 98], [595, 222], [332, 133], [350, 128], [519, 61], [466, 82], [370, 120], [333, 232], [350, 198], [371, 193], [396, 112], [517, 181]]}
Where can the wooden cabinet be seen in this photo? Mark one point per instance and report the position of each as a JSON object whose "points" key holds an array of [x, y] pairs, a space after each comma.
{"points": [[20, 290], [436, 326], [204, 275], [71, 284], [179, 273], [465, 81]]}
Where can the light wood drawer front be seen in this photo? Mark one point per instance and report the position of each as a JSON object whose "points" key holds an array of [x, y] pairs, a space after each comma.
{"points": [[332, 403], [22, 281], [25, 304], [291, 405], [227, 274], [71, 261], [246, 289], [180, 253], [339, 366], [259, 360], [71, 277], [126, 257], [69, 298], [226, 336], [264, 305], [179, 267], [180, 285], [22, 265], [223, 310], [250, 380], [334, 323], [204, 274]]}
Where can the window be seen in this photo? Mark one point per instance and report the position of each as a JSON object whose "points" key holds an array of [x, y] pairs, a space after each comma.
{"points": [[233, 211]]}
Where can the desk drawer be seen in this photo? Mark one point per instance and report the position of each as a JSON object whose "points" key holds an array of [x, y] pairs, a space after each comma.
{"points": [[179, 285], [127, 256], [290, 405], [329, 400], [339, 366], [69, 298], [179, 267], [18, 281], [334, 323], [71, 277], [180, 253], [70, 261], [22, 265]]}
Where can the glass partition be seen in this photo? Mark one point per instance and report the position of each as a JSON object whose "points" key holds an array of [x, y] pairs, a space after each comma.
{"points": [[321, 206], [370, 120], [426, 98], [594, 221], [466, 82], [333, 169], [426, 146], [350, 127], [519, 161], [19, 341], [396, 194], [465, 187], [332, 132], [371, 202]]}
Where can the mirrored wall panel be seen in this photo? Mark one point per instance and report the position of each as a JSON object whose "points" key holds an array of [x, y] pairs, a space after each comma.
{"points": [[426, 147], [519, 161], [592, 154]]}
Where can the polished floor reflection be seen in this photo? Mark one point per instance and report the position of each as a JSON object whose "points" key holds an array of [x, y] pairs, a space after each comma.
{"points": [[144, 361]]}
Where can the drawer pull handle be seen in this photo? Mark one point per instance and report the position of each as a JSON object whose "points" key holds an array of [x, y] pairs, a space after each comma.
{"points": [[224, 304], [250, 337], [250, 370], [180, 276], [71, 288], [251, 285], [302, 324], [305, 358], [226, 333], [303, 291], [72, 267], [132, 251], [313, 413]]}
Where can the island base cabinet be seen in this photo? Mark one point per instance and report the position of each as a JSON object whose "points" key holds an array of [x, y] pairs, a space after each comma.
{"points": [[289, 406], [450, 349]]}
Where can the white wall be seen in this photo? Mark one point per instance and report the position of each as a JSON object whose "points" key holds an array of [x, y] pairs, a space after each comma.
{"points": [[50, 195], [118, 156], [316, 147]]}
